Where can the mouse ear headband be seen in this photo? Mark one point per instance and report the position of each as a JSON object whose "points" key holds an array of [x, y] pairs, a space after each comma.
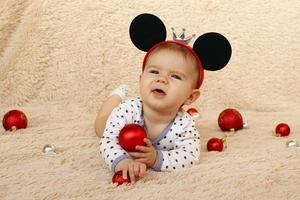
{"points": [[212, 51]]}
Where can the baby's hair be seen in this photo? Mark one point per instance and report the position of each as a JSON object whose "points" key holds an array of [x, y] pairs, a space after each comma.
{"points": [[182, 51]]}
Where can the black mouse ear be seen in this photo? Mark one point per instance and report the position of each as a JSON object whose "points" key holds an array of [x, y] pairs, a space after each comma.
{"points": [[214, 51], [146, 30]]}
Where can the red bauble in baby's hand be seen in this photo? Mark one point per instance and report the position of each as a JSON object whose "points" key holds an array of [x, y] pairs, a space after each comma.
{"points": [[215, 144], [130, 136], [118, 178], [14, 119], [230, 119], [282, 129]]}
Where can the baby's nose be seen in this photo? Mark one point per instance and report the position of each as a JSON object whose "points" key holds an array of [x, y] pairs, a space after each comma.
{"points": [[162, 79]]}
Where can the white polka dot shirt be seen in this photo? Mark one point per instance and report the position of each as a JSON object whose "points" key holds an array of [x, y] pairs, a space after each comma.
{"points": [[178, 146]]}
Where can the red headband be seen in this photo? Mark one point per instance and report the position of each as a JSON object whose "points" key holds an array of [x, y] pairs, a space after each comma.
{"points": [[183, 45]]}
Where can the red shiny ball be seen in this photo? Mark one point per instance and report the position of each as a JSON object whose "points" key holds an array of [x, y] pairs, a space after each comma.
{"points": [[230, 119], [282, 129], [215, 144], [118, 178], [193, 112], [14, 119], [130, 136]]}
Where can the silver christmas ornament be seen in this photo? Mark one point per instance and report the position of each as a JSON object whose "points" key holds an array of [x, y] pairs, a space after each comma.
{"points": [[49, 149], [292, 143]]}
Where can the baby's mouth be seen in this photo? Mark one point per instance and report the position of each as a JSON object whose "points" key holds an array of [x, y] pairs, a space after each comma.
{"points": [[159, 91]]}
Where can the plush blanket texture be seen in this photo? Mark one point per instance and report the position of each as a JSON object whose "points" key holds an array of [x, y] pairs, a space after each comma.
{"points": [[60, 59]]}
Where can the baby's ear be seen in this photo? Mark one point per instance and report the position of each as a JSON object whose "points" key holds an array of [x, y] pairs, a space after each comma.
{"points": [[146, 30], [214, 51], [193, 97]]}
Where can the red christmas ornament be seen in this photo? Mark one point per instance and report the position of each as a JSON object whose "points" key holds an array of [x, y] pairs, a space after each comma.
{"points": [[130, 136], [14, 119], [193, 112], [118, 178], [230, 120], [282, 129], [215, 144]]}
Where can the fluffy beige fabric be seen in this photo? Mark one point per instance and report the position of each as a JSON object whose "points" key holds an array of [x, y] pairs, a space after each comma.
{"points": [[60, 59]]}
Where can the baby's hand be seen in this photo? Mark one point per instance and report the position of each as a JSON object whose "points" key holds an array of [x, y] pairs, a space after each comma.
{"points": [[147, 154], [132, 167]]}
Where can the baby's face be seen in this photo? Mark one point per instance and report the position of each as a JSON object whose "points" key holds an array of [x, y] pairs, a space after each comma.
{"points": [[168, 80]]}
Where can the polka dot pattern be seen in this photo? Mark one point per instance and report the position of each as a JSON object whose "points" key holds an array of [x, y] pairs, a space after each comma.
{"points": [[178, 146]]}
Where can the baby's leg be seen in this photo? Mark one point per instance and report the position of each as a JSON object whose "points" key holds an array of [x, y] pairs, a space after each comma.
{"points": [[113, 101]]}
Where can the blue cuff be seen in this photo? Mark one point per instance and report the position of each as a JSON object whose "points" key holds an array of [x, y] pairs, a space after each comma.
{"points": [[117, 160], [159, 161]]}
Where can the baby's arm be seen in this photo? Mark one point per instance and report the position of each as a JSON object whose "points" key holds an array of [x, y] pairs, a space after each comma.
{"points": [[185, 154], [110, 149], [131, 167], [114, 155], [146, 154]]}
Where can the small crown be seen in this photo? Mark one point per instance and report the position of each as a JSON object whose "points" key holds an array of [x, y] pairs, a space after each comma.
{"points": [[181, 37]]}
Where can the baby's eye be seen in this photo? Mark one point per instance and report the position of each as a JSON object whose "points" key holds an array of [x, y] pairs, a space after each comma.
{"points": [[176, 76], [153, 71]]}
